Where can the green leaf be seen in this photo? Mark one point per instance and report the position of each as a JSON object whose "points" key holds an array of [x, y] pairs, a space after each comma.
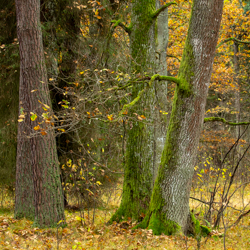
{"points": [[33, 117]]}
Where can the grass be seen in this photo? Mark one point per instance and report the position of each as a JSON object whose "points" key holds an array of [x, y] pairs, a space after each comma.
{"points": [[84, 234]]}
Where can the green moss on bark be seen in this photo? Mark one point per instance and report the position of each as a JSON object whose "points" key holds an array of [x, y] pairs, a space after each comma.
{"points": [[159, 225], [196, 229], [138, 179]]}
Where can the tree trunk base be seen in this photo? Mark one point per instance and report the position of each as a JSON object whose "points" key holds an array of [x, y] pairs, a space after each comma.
{"points": [[160, 225]]}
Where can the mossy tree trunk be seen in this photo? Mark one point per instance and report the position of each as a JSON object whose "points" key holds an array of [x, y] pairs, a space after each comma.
{"points": [[141, 152], [38, 186], [169, 207], [160, 87]]}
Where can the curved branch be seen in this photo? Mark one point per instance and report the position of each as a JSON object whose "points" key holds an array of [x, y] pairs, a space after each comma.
{"points": [[153, 78], [232, 39], [164, 78], [126, 107], [158, 12], [122, 25], [174, 57], [219, 119]]}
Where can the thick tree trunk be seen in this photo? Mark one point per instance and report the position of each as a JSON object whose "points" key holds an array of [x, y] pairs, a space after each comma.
{"points": [[141, 152], [38, 186], [169, 206]]}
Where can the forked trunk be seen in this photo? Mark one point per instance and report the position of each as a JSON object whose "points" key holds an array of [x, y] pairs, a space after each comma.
{"points": [[142, 153], [169, 206]]}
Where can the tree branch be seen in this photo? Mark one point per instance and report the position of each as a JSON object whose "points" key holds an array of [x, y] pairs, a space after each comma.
{"points": [[173, 57], [232, 39], [164, 78], [153, 78], [240, 217], [119, 23], [219, 119], [158, 12], [126, 107]]}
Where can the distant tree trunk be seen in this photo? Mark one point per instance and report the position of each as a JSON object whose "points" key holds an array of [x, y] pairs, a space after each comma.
{"points": [[38, 186], [169, 207], [9, 83], [141, 152], [160, 88], [237, 93], [68, 19]]}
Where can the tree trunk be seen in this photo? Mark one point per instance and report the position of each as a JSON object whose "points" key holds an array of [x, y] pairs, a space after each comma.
{"points": [[9, 83], [141, 152], [161, 102], [38, 186], [237, 94], [169, 206]]}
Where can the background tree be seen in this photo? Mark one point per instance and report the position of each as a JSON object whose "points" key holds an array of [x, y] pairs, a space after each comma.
{"points": [[38, 186], [9, 78]]}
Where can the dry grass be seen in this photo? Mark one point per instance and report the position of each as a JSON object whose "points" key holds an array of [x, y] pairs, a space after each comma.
{"points": [[19, 234]]}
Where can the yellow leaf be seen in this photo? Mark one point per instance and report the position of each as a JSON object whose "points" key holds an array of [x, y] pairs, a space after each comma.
{"points": [[37, 127], [89, 191], [46, 106], [78, 218], [43, 132], [61, 129], [110, 117], [20, 120]]}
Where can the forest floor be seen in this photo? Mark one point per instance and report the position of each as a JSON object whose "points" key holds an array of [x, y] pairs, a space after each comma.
{"points": [[95, 234]]}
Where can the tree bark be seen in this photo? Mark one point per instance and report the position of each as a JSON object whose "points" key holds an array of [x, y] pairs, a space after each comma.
{"points": [[9, 83], [38, 186], [237, 93], [141, 150], [169, 207]]}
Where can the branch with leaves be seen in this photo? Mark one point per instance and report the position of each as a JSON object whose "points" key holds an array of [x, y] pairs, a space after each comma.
{"points": [[155, 77]]}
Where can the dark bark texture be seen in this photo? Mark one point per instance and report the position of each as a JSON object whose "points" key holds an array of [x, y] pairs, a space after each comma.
{"points": [[38, 186]]}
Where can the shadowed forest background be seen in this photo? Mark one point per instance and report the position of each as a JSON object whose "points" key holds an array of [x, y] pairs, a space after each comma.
{"points": [[115, 73]]}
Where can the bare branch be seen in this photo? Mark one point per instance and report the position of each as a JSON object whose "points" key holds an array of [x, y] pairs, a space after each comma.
{"points": [[158, 12], [119, 23], [219, 119], [232, 39]]}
